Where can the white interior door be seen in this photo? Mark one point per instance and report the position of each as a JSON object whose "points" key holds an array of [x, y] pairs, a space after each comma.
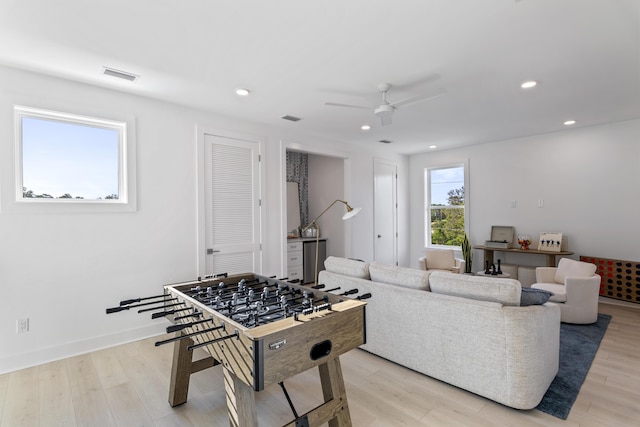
{"points": [[385, 177], [232, 205]]}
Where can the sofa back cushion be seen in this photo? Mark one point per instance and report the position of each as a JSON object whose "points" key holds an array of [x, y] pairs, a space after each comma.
{"points": [[347, 267], [399, 276], [503, 291], [568, 267], [439, 259]]}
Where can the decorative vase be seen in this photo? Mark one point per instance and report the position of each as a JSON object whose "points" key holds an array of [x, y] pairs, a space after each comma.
{"points": [[524, 240]]}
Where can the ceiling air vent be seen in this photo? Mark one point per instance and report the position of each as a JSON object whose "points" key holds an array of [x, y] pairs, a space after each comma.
{"points": [[290, 118], [119, 74], [385, 141]]}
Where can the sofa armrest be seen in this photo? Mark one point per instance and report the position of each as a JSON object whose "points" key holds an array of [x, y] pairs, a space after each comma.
{"points": [[582, 290], [545, 274]]}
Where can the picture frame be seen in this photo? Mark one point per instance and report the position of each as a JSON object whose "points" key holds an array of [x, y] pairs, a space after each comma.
{"points": [[550, 241]]}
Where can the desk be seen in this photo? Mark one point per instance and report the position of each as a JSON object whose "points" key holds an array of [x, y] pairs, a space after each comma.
{"points": [[551, 256]]}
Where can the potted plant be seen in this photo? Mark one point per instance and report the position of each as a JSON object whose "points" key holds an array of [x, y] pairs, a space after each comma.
{"points": [[467, 255]]}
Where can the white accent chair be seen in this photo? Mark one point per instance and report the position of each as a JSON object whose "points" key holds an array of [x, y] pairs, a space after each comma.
{"points": [[575, 288], [442, 260]]}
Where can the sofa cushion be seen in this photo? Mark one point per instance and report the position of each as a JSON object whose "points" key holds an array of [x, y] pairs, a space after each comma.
{"points": [[482, 288], [530, 296], [440, 259], [399, 276], [568, 267], [347, 267]]}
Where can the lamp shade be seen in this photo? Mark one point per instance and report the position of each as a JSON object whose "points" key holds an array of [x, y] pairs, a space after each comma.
{"points": [[351, 212]]}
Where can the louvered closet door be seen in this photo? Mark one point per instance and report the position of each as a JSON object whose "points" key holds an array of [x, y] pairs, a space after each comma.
{"points": [[232, 187]]}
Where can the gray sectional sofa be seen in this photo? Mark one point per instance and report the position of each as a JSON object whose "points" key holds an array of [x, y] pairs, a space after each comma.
{"points": [[468, 331]]}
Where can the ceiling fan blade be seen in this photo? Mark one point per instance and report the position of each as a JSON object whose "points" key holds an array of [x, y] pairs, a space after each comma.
{"points": [[335, 104], [418, 98], [385, 120]]}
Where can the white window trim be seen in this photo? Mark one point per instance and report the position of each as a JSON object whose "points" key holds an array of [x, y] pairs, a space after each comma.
{"points": [[427, 202], [127, 200]]}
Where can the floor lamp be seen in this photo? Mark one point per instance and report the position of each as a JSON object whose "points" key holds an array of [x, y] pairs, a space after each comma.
{"points": [[351, 212]]}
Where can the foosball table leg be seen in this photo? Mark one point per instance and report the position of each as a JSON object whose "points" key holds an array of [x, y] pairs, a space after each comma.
{"points": [[333, 389], [180, 372], [241, 401]]}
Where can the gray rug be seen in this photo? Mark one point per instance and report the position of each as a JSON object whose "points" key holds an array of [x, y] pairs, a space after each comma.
{"points": [[578, 347]]}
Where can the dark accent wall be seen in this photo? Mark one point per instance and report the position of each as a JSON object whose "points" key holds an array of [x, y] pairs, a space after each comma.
{"points": [[298, 171]]}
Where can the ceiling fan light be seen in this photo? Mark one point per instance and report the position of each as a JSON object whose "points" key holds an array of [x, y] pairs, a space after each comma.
{"points": [[384, 110], [365, 127]]}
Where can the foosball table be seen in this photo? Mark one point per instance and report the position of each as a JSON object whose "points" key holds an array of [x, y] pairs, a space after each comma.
{"points": [[262, 331]]}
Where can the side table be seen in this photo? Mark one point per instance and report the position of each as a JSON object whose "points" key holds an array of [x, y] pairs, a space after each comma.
{"points": [[502, 276]]}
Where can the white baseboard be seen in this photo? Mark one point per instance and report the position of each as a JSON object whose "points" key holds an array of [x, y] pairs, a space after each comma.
{"points": [[19, 361], [613, 301]]}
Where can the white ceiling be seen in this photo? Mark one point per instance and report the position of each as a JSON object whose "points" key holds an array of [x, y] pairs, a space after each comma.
{"points": [[295, 55]]}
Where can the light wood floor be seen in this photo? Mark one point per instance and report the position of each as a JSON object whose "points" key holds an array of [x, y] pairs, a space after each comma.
{"points": [[128, 385]]}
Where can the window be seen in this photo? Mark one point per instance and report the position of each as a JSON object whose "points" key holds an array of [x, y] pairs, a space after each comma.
{"points": [[445, 212], [66, 158]]}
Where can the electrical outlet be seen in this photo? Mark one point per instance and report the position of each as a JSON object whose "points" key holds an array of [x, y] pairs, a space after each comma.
{"points": [[540, 203], [22, 325]]}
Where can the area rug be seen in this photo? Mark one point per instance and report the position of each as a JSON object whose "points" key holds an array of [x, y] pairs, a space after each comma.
{"points": [[578, 347]]}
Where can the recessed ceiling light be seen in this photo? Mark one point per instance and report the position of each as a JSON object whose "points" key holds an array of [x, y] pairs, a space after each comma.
{"points": [[528, 84], [570, 122], [433, 146], [365, 127], [242, 92]]}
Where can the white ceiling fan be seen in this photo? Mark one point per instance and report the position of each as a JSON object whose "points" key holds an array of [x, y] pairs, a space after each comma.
{"points": [[385, 109]]}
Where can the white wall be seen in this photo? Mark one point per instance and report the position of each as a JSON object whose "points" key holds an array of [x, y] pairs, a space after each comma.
{"points": [[587, 177], [326, 184], [62, 270]]}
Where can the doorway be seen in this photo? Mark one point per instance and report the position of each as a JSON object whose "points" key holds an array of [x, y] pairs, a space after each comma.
{"points": [[325, 182], [385, 182], [229, 204]]}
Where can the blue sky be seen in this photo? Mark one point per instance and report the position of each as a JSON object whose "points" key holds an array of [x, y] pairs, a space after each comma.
{"points": [[61, 158], [444, 180]]}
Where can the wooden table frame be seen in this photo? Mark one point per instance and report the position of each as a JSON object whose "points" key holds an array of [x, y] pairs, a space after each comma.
{"points": [[551, 256], [256, 357], [241, 405]]}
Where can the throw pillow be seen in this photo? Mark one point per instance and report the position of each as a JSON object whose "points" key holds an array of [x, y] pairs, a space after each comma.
{"points": [[532, 296]]}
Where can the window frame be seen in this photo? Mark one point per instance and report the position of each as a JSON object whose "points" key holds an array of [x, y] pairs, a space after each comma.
{"points": [[126, 201], [427, 201]]}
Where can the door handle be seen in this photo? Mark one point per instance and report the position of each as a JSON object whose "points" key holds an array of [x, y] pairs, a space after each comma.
{"points": [[211, 252], [379, 236]]}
